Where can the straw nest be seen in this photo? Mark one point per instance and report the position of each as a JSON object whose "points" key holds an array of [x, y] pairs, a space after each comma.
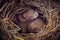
{"points": [[14, 19]]}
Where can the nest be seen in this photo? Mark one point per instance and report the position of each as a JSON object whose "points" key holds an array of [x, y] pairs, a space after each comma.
{"points": [[17, 19]]}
